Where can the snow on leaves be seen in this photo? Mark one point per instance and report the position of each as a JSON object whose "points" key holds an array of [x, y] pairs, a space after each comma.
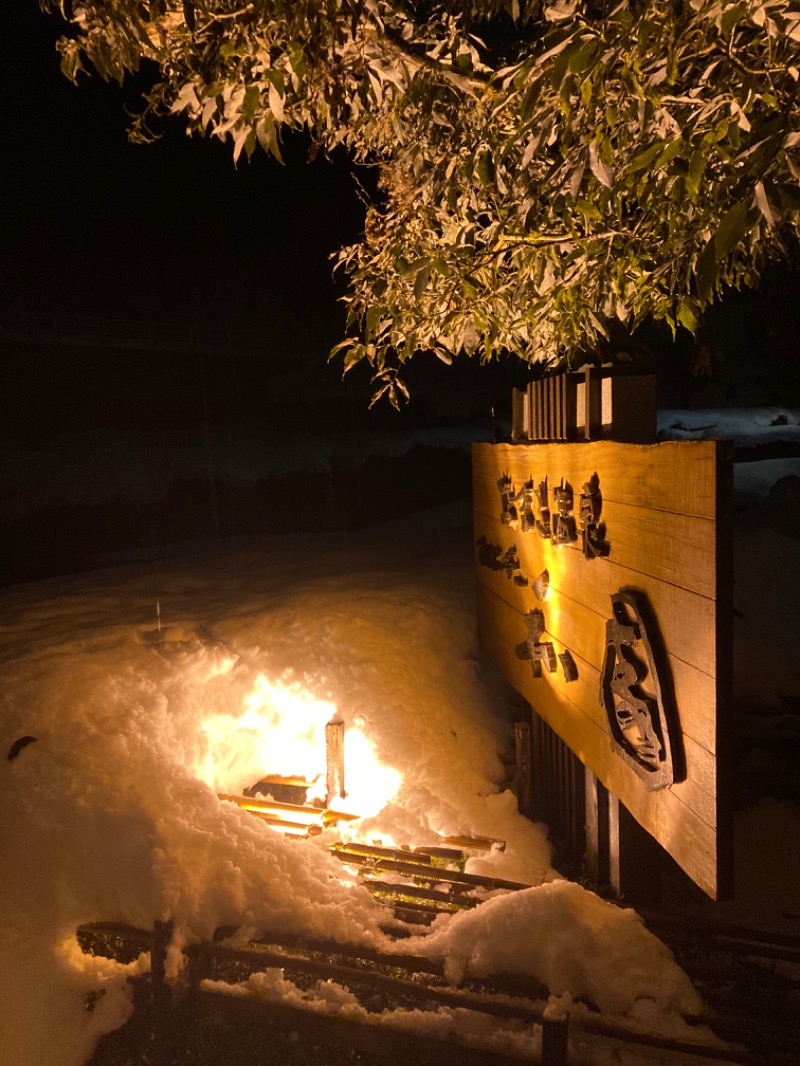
{"points": [[553, 166]]}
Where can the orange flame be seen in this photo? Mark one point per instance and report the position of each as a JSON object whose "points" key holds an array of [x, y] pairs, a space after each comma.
{"points": [[280, 730]]}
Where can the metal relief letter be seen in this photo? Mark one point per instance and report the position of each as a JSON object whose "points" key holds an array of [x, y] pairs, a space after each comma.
{"points": [[564, 528], [592, 529], [543, 521], [508, 515], [541, 653]]}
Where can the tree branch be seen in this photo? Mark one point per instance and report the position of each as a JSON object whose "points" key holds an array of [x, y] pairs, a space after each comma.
{"points": [[424, 62]]}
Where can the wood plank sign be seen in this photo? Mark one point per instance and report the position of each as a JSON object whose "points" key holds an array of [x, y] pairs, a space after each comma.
{"points": [[605, 597]]}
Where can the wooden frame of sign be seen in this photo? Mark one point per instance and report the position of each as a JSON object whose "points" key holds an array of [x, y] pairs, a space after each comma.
{"points": [[665, 536]]}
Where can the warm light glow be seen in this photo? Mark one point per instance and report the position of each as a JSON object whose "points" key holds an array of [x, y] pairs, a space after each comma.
{"points": [[280, 731], [369, 785]]}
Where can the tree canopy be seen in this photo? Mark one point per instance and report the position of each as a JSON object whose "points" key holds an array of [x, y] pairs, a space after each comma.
{"points": [[544, 169]]}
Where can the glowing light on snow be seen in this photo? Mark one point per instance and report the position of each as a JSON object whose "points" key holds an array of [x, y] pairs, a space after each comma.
{"points": [[369, 784], [280, 731]]}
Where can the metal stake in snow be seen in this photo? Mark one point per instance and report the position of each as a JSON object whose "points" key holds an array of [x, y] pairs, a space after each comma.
{"points": [[334, 759]]}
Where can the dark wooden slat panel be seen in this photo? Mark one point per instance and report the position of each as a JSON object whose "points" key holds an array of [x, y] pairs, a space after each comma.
{"points": [[539, 409], [572, 430]]}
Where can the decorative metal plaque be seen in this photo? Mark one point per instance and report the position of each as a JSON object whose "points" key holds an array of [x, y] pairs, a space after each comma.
{"points": [[631, 694]]}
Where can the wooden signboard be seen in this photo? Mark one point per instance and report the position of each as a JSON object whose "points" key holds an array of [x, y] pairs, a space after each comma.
{"points": [[637, 686]]}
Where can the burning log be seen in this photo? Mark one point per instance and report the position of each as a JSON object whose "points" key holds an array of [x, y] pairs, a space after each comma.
{"points": [[296, 830]]}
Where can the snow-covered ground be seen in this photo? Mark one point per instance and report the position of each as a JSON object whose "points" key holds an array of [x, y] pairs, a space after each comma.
{"points": [[745, 426], [153, 685], [112, 812], [86, 468]]}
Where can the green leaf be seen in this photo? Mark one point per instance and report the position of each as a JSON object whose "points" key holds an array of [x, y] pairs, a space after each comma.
{"points": [[529, 99], [647, 30], [645, 158], [485, 167], [581, 59], [252, 98], [789, 197], [71, 63], [421, 281], [440, 266], [276, 77], [733, 226], [276, 103], [623, 16], [669, 153], [268, 137], [731, 17], [598, 166], [697, 166], [764, 206], [706, 271], [687, 313], [588, 210], [297, 59], [417, 265]]}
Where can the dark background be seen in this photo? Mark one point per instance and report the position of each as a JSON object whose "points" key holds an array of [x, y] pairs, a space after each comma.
{"points": [[158, 288], [168, 235]]}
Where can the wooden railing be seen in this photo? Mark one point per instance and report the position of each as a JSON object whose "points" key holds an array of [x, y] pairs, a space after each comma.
{"points": [[390, 978]]}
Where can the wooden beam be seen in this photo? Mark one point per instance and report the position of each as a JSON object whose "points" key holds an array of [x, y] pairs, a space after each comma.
{"points": [[678, 476]]}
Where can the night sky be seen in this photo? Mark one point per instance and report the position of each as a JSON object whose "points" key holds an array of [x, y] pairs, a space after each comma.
{"points": [[172, 237], [95, 225]]}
